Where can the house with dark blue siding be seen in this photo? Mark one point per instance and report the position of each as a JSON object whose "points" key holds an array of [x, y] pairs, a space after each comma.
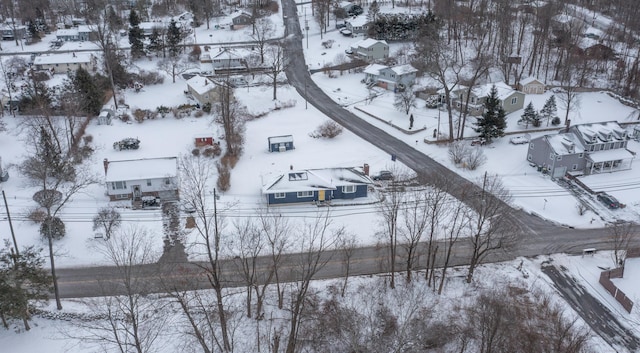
{"points": [[280, 143], [317, 185]]}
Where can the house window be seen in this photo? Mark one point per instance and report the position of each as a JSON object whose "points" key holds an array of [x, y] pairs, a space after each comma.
{"points": [[559, 158], [121, 196], [591, 148], [552, 155], [303, 194], [514, 100], [119, 185], [279, 195], [348, 189], [167, 181], [148, 182], [531, 145], [529, 158], [574, 167], [581, 155]]}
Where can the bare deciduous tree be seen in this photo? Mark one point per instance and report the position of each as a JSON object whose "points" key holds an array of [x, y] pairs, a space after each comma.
{"points": [[107, 220], [132, 321], [319, 237], [175, 66], [489, 225], [622, 235]]}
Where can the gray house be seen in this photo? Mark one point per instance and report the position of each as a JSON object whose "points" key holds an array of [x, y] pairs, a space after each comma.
{"points": [[391, 78], [510, 99], [80, 33], [358, 25], [280, 143], [585, 149], [370, 49], [317, 185]]}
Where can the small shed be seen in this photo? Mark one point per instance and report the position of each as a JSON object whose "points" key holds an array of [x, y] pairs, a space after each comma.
{"points": [[241, 20], [280, 143], [203, 140], [531, 85], [105, 117]]}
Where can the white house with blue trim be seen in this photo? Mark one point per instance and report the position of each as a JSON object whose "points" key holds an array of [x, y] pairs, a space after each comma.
{"points": [[316, 185]]}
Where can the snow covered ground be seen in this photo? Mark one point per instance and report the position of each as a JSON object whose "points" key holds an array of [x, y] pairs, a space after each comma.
{"points": [[531, 190]]}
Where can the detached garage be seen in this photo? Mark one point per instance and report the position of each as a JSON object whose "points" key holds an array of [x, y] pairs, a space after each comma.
{"points": [[280, 143]]}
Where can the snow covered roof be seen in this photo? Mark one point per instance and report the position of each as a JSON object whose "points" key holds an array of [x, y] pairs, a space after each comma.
{"points": [[239, 14], [150, 25], [610, 155], [367, 43], [142, 169], [605, 131], [279, 139], [200, 84], [64, 58], [528, 80], [358, 21], [504, 90], [565, 143], [403, 69], [374, 69], [67, 32], [229, 54], [316, 179]]}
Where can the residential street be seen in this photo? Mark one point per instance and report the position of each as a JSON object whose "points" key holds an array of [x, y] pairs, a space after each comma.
{"points": [[596, 315]]}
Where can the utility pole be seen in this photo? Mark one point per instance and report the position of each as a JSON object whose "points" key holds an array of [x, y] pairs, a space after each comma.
{"points": [[13, 235]]}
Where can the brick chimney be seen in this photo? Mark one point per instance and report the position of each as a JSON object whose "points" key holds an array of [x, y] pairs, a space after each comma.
{"points": [[366, 169], [106, 165]]}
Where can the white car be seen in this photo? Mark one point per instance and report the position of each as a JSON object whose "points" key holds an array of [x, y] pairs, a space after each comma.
{"points": [[519, 140]]}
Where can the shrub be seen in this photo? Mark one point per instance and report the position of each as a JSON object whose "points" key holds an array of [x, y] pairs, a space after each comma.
{"points": [[163, 111], [37, 215], [213, 151], [195, 53], [474, 158], [198, 114], [328, 129], [87, 139], [139, 115], [555, 121], [457, 151], [52, 226], [47, 198], [195, 152], [224, 177], [230, 160], [206, 107], [149, 78], [125, 117]]}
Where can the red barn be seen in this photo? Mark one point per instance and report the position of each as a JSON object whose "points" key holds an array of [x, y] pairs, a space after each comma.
{"points": [[203, 140]]}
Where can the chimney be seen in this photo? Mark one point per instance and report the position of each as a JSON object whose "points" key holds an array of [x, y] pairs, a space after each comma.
{"points": [[291, 167], [106, 165], [366, 169]]}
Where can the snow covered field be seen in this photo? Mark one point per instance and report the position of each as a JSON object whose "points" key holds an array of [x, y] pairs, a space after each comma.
{"points": [[531, 190]]}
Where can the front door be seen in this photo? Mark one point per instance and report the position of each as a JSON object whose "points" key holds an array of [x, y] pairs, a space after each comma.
{"points": [[320, 195], [137, 194]]}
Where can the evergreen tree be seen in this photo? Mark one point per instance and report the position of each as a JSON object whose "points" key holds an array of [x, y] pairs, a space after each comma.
{"points": [[113, 20], [135, 35], [530, 116], [156, 42], [549, 110], [91, 96], [493, 121], [173, 38], [23, 280]]}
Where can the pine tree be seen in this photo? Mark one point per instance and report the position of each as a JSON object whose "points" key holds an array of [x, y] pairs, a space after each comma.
{"points": [[549, 110], [91, 96], [493, 121], [173, 38], [23, 280], [135, 35], [156, 42], [530, 116]]}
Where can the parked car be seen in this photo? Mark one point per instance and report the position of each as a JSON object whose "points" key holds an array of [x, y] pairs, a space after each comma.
{"points": [[348, 51], [345, 32], [608, 200], [478, 142], [383, 175], [519, 140]]}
